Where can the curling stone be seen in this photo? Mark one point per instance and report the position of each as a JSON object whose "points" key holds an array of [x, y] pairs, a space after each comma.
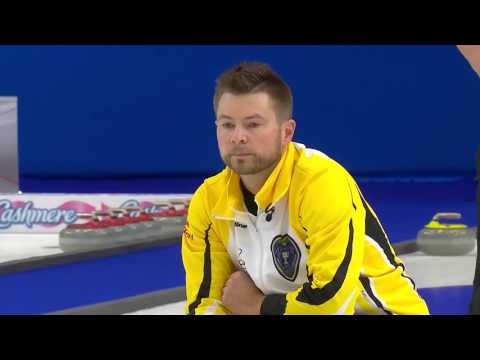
{"points": [[444, 239]]}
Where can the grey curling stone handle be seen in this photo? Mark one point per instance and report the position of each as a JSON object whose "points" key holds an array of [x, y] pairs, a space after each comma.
{"points": [[449, 216]]}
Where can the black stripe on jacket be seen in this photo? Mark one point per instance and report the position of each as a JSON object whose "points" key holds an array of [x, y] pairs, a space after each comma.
{"points": [[204, 290], [366, 285], [319, 296], [374, 230]]}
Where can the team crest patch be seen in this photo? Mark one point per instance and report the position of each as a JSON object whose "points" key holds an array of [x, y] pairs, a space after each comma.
{"points": [[286, 256]]}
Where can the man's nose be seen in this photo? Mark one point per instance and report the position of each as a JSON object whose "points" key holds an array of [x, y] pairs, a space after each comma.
{"points": [[239, 136]]}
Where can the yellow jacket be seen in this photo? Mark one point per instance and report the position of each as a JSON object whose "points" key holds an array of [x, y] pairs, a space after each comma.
{"points": [[315, 246]]}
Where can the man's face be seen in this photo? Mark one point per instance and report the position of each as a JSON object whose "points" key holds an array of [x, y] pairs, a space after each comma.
{"points": [[249, 136]]}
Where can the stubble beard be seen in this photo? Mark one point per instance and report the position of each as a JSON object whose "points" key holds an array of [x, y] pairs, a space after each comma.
{"points": [[253, 163]]}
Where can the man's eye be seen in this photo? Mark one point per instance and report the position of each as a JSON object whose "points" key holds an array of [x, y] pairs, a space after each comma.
{"points": [[253, 125], [227, 126]]}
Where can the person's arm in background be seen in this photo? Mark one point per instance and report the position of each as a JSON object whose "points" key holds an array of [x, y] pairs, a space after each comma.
{"points": [[205, 259], [472, 54]]}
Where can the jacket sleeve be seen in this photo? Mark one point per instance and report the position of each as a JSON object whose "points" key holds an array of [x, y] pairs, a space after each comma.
{"points": [[205, 259], [334, 225]]}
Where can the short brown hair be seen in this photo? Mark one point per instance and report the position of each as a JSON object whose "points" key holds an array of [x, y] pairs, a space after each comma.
{"points": [[254, 77]]}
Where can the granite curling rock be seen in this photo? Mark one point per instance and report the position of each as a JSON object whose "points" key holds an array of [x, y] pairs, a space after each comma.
{"points": [[108, 229], [445, 239], [122, 226], [172, 215], [105, 229]]}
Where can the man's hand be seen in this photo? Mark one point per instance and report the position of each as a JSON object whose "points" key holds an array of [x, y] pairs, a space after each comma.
{"points": [[241, 296]]}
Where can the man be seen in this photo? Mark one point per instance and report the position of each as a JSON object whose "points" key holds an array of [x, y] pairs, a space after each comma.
{"points": [[283, 229]]}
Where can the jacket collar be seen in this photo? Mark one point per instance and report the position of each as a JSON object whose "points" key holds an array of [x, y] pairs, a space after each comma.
{"points": [[274, 188]]}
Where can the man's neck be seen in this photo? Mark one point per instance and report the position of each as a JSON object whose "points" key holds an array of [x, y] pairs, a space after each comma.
{"points": [[254, 182]]}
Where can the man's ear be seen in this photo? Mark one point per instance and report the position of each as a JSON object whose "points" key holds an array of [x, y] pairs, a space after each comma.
{"points": [[289, 129]]}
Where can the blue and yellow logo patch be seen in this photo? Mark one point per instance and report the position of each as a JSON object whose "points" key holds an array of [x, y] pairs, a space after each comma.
{"points": [[286, 256]]}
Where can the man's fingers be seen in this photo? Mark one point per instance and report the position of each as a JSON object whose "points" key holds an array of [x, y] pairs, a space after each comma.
{"points": [[224, 293], [226, 290]]}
